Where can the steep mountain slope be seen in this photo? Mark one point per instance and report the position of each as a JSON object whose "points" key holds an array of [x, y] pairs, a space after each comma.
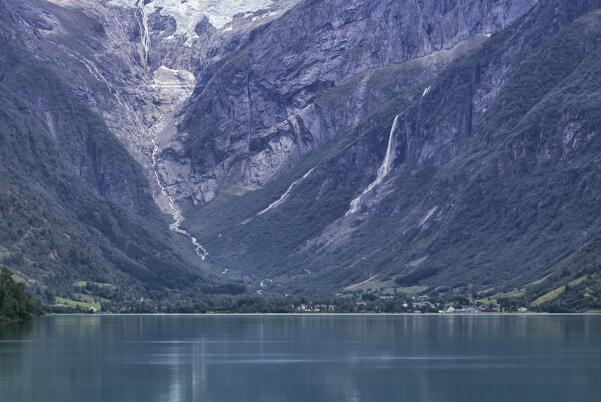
{"points": [[308, 147], [134, 63], [254, 111], [75, 206], [487, 185], [268, 107]]}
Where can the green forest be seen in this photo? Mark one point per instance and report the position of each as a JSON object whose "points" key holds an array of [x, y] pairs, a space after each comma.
{"points": [[15, 304]]}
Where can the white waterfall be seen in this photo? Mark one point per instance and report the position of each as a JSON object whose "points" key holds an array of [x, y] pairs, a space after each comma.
{"points": [[176, 213], [174, 87], [383, 171], [284, 196], [92, 69], [145, 31]]}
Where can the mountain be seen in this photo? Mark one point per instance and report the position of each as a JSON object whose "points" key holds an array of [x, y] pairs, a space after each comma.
{"points": [[75, 205], [479, 181], [309, 76], [304, 147], [323, 116]]}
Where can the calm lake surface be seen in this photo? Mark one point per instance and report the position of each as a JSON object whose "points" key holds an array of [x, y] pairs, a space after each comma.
{"points": [[302, 358]]}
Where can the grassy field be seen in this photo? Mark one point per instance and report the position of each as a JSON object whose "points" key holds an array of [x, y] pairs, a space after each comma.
{"points": [[578, 281], [514, 294], [547, 297], [384, 287], [61, 301], [83, 284]]}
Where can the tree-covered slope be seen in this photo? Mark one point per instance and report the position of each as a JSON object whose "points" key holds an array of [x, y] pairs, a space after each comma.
{"points": [[15, 304]]}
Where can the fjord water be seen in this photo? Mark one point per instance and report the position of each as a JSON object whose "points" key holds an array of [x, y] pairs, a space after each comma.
{"points": [[302, 358]]}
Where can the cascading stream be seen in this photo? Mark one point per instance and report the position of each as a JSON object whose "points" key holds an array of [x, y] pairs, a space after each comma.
{"points": [[285, 196], [177, 86], [186, 15], [383, 171], [176, 213]]}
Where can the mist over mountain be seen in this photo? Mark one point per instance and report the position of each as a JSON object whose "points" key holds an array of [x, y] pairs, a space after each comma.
{"points": [[183, 150]]}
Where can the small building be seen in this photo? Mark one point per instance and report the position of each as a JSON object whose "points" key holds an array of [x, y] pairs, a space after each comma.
{"points": [[470, 309], [423, 305]]}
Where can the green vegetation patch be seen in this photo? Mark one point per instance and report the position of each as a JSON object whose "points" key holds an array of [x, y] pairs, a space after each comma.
{"points": [[494, 299], [15, 304], [412, 290], [61, 301], [85, 284], [549, 296]]}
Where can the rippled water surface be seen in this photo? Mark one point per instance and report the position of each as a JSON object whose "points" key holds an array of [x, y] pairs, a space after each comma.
{"points": [[302, 359]]}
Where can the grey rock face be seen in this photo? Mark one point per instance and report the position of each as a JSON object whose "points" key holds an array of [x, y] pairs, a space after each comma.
{"points": [[109, 54], [262, 98], [489, 158], [256, 111], [480, 163], [93, 151]]}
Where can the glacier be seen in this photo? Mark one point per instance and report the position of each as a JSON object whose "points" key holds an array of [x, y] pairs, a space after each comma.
{"points": [[189, 13]]}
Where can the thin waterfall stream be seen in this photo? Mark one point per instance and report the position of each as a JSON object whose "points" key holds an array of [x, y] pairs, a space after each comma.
{"points": [[383, 171]]}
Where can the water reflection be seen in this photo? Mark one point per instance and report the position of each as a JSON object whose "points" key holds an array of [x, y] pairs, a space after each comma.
{"points": [[302, 358]]}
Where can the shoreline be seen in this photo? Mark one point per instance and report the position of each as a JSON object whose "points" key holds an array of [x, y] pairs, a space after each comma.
{"points": [[322, 314]]}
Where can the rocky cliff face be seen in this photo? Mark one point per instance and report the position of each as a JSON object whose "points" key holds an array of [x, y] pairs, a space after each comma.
{"points": [[257, 110], [135, 64]]}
